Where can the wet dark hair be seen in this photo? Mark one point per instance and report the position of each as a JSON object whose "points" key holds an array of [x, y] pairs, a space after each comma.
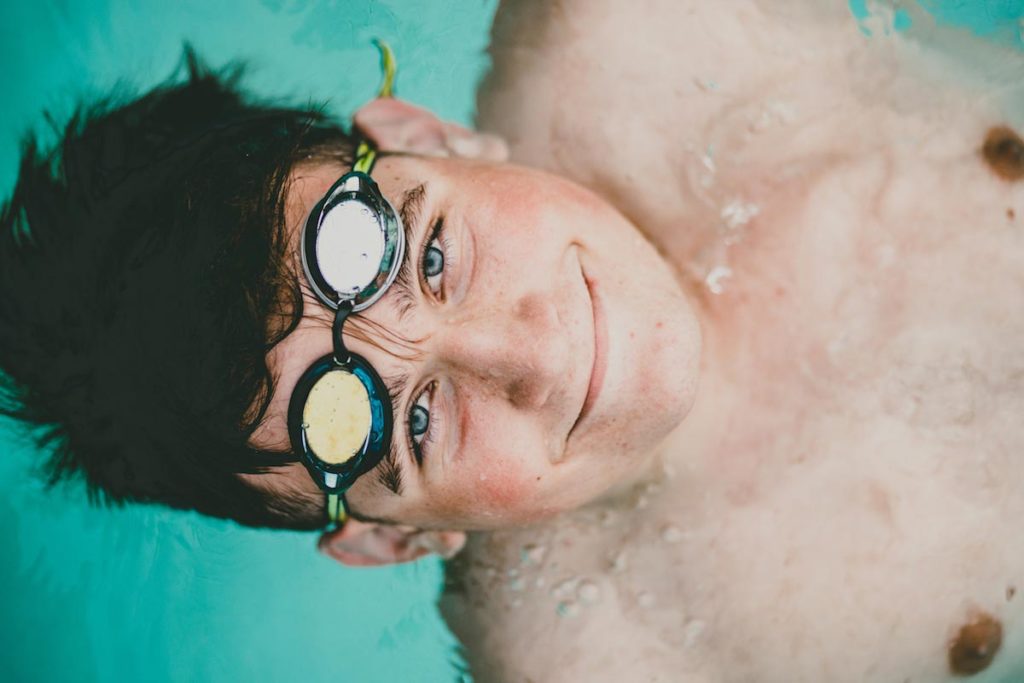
{"points": [[143, 276]]}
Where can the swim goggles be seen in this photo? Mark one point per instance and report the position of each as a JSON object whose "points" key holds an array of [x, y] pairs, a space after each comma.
{"points": [[352, 245]]}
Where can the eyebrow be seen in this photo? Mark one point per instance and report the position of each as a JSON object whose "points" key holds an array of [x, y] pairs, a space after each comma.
{"points": [[410, 211]]}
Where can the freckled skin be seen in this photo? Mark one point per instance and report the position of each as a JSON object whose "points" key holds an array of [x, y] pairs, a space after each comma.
{"points": [[1004, 152], [975, 645], [865, 330], [511, 346]]}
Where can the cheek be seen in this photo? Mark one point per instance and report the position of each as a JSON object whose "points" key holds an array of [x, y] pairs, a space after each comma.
{"points": [[492, 486], [501, 486]]}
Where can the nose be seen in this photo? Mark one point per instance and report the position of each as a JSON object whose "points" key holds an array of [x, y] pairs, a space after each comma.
{"points": [[520, 350]]}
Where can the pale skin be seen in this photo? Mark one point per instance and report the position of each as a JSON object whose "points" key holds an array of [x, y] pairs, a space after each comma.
{"points": [[834, 492], [852, 497]]}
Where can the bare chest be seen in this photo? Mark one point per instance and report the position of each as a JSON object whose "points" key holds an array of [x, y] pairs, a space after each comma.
{"points": [[859, 506]]}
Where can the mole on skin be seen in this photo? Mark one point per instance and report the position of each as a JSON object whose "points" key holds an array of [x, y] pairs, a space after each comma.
{"points": [[976, 645], [1004, 152]]}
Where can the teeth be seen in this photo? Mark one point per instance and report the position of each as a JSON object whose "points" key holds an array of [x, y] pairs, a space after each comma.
{"points": [[330, 479]]}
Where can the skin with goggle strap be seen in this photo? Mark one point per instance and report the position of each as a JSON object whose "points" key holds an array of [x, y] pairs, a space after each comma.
{"points": [[836, 257]]}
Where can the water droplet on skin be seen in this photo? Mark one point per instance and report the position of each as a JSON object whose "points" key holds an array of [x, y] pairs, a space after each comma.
{"points": [[645, 600], [715, 277], [705, 84], [516, 585], [512, 573], [588, 592], [564, 589], [483, 477], [708, 161], [671, 534], [539, 583], [738, 213], [517, 602], [640, 503], [620, 562], [532, 554], [692, 632], [567, 608]]}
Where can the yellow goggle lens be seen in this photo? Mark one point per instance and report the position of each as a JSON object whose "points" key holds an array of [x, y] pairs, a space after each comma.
{"points": [[336, 417]]}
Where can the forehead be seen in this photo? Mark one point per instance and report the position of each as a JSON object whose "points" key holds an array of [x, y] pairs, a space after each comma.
{"points": [[309, 181]]}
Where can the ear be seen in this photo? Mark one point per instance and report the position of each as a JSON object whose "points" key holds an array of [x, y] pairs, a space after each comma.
{"points": [[397, 126], [363, 544]]}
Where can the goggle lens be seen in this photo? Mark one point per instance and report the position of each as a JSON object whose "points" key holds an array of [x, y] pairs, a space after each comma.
{"points": [[336, 418], [349, 248]]}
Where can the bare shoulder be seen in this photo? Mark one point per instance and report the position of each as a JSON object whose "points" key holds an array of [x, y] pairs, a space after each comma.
{"points": [[676, 112]]}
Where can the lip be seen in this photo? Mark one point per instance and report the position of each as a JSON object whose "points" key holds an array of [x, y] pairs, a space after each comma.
{"points": [[600, 362]]}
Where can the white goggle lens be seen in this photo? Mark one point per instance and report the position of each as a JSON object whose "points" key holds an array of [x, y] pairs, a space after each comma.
{"points": [[349, 247]]}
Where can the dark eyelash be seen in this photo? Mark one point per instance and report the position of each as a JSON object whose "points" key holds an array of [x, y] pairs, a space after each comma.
{"points": [[390, 474]]}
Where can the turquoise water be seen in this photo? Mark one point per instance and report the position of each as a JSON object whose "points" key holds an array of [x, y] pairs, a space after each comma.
{"points": [[146, 594]]}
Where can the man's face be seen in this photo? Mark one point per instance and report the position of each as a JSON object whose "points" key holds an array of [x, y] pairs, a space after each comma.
{"points": [[540, 352]]}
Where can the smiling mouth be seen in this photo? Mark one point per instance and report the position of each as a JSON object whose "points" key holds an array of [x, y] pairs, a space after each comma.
{"points": [[600, 363]]}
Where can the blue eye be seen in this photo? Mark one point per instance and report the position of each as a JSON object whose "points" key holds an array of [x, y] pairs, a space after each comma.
{"points": [[419, 422], [432, 262]]}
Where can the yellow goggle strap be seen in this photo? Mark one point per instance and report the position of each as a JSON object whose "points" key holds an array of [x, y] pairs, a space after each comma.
{"points": [[337, 508], [366, 153]]}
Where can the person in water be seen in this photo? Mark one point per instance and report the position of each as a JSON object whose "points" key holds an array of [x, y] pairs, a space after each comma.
{"points": [[723, 383]]}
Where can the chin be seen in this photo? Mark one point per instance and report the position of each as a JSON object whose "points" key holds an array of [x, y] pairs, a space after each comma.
{"points": [[666, 376]]}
